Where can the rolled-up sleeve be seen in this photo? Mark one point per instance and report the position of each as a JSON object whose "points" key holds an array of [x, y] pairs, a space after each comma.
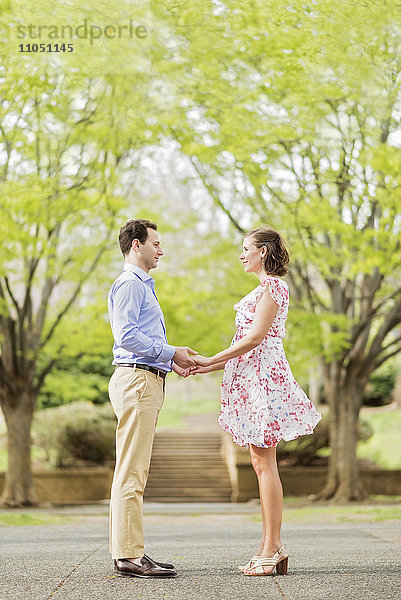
{"points": [[127, 301]]}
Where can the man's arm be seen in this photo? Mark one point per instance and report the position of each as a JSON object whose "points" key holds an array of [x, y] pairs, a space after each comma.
{"points": [[126, 328], [127, 334]]}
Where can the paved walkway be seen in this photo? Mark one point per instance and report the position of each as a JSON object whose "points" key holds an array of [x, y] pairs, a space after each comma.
{"points": [[70, 561]]}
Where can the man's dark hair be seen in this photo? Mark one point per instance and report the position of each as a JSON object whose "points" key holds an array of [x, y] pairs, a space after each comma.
{"points": [[135, 229]]}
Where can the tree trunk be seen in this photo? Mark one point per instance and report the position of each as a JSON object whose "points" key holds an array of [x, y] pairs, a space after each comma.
{"points": [[343, 478], [18, 487]]}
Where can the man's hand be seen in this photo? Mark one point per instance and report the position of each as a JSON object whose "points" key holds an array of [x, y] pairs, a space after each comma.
{"points": [[182, 372], [182, 357]]}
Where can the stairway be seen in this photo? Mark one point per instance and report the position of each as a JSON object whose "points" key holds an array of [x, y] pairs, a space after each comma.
{"points": [[188, 467]]}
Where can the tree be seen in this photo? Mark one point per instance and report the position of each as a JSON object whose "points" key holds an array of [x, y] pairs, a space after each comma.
{"points": [[60, 198], [290, 116]]}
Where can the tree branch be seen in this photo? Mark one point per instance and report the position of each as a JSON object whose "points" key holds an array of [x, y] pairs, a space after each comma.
{"points": [[215, 197], [368, 318], [72, 297], [384, 358], [398, 339], [45, 371], [392, 319], [14, 301], [313, 299]]}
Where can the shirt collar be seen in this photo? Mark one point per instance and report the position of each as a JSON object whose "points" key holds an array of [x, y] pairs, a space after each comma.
{"points": [[138, 271]]}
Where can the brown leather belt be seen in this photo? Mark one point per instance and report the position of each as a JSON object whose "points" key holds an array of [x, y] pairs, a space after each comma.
{"points": [[161, 374]]}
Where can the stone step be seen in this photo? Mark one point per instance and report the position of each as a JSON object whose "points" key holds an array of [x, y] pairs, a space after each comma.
{"points": [[177, 474], [187, 490], [199, 435], [171, 481], [188, 467], [190, 451], [187, 440], [196, 463], [189, 497], [189, 444]]}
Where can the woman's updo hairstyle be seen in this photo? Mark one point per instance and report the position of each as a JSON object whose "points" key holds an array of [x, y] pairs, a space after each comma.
{"points": [[276, 261]]}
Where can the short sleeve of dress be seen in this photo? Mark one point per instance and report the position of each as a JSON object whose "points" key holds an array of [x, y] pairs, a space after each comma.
{"points": [[275, 290]]}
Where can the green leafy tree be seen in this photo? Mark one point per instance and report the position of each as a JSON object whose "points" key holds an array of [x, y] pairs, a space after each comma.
{"points": [[60, 195], [290, 116]]}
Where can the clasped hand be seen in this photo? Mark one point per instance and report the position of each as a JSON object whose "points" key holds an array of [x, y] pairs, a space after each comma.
{"points": [[202, 366]]}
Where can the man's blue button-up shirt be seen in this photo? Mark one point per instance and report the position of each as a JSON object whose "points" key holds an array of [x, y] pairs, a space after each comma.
{"points": [[137, 321]]}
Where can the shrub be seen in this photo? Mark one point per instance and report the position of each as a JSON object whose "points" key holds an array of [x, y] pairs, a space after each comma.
{"points": [[79, 433], [380, 386]]}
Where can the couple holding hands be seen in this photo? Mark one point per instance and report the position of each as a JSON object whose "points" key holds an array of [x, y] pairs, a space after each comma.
{"points": [[261, 403]]}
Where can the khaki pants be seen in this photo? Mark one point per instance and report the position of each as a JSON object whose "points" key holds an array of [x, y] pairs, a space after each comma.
{"points": [[137, 397]]}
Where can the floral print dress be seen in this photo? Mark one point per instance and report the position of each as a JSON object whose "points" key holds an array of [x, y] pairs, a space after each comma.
{"points": [[261, 403]]}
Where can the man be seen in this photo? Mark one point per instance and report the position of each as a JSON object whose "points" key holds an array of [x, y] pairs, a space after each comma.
{"points": [[142, 358]]}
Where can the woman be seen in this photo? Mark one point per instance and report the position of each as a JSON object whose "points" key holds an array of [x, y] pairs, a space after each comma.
{"points": [[261, 401]]}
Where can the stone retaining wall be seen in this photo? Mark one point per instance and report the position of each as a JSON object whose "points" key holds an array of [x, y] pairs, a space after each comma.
{"points": [[93, 484], [71, 485]]}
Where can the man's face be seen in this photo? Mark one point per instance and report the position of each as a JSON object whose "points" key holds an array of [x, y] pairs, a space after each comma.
{"points": [[150, 252]]}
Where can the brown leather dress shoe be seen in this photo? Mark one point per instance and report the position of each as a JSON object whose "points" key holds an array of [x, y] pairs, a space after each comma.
{"points": [[147, 569], [159, 564]]}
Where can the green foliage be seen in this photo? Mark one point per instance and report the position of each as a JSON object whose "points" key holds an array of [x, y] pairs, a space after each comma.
{"points": [[64, 387], [95, 49], [286, 114], [198, 306], [82, 378], [288, 117], [77, 434]]}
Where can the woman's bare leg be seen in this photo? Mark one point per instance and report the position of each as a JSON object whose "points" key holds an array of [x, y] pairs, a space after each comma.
{"points": [[271, 498]]}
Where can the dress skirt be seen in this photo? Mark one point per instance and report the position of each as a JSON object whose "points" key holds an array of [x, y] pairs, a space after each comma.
{"points": [[261, 403]]}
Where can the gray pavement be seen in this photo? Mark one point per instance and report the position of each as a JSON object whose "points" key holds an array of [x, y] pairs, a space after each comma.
{"points": [[70, 561]]}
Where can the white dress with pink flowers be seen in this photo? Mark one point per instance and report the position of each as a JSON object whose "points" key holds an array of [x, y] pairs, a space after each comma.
{"points": [[261, 403]]}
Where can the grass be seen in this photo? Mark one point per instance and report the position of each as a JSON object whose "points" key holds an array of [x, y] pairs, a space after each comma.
{"points": [[383, 448], [23, 519], [341, 514], [188, 397], [377, 509]]}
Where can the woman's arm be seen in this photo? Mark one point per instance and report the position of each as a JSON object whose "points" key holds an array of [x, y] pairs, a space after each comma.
{"points": [[265, 313], [216, 367]]}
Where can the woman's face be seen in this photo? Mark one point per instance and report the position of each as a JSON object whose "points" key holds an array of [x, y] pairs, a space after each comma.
{"points": [[251, 256]]}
